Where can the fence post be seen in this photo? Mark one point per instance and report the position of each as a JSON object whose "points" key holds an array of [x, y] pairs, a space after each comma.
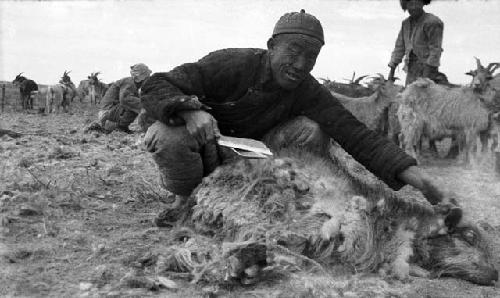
{"points": [[3, 96]]}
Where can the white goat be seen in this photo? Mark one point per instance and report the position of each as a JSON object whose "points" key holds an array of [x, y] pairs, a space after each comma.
{"points": [[436, 111], [372, 110]]}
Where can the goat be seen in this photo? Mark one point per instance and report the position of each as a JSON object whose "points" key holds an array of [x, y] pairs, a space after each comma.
{"points": [[436, 111], [60, 95], [352, 89], [69, 88], [55, 98], [372, 110], [298, 210], [93, 88], [27, 88], [482, 81]]}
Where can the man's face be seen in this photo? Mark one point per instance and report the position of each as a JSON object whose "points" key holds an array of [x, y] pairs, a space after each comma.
{"points": [[415, 7], [292, 57], [140, 78]]}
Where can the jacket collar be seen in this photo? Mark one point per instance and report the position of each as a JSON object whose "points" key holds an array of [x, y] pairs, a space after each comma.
{"points": [[265, 75]]}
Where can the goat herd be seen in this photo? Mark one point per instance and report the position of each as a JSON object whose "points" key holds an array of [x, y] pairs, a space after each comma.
{"points": [[53, 97], [422, 110], [425, 110]]}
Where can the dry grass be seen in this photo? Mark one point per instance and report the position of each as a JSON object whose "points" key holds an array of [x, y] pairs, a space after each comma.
{"points": [[76, 214]]}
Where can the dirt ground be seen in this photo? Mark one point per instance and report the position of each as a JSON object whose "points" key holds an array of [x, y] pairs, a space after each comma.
{"points": [[76, 212]]}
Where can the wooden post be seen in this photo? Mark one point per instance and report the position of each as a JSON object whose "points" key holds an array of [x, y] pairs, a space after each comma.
{"points": [[3, 96]]}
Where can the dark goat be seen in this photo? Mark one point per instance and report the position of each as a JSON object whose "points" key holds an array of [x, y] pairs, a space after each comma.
{"points": [[68, 87], [351, 89], [26, 87]]}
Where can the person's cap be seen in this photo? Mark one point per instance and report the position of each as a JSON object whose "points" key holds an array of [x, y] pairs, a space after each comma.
{"points": [[140, 70], [299, 23]]}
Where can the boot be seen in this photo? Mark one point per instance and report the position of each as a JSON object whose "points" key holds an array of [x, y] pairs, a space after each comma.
{"points": [[177, 212], [125, 129], [109, 126]]}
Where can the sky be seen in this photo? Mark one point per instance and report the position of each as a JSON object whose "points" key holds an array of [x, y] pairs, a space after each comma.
{"points": [[45, 38]]}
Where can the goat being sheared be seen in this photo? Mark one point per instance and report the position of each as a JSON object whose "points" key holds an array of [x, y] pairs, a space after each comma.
{"points": [[27, 89], [299, 211]]}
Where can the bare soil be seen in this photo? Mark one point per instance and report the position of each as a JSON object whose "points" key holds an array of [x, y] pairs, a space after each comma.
{"points": [[76, 212]]}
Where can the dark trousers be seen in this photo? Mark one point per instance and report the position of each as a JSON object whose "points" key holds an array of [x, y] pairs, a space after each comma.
{"points": [[416, 70], [183, 162]]}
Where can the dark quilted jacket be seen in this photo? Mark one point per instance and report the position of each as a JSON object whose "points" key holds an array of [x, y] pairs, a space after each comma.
{"points": [[236, 87]]}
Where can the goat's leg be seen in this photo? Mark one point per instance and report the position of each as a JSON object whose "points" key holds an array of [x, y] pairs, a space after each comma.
{"points": [[494, 142], [484, 137], [494, 135], [433, 147], [455, 146], [470, 137]]}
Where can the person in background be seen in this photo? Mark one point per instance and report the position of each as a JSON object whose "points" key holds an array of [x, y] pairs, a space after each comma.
{"points": [[121, 103], [419, 42]]}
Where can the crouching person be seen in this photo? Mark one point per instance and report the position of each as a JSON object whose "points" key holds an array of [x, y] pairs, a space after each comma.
{"points": [[121, 103], [265, 94]]}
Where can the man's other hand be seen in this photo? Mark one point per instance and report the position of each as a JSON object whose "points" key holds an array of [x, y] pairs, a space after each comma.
{"points": [[390, 77], [201, 125], [445, 200]]}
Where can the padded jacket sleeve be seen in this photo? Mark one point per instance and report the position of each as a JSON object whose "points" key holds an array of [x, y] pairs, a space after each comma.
{"points": [[377, 153]]}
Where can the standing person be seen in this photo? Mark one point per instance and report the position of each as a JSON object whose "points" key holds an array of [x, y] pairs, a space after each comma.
{"points": [[121, 103], [266, 94], [419, 41]]}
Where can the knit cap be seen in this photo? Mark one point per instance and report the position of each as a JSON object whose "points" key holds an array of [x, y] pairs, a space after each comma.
{"points": [[140, 71], [301, 23]]}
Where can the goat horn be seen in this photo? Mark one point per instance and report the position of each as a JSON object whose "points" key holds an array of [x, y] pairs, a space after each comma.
{"points": [[359, 79], [20, 73], [492, 67], [478, 63]]}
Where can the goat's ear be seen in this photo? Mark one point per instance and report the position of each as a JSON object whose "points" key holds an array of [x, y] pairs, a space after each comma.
{"points": [[470, 73]]}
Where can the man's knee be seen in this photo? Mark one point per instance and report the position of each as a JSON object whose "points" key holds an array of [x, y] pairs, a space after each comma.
{"points": [[170, 139], [300, 132], [177, 155], [311, 129]]}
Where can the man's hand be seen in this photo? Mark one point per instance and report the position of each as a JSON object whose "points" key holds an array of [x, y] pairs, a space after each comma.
{"points": [[201, 125], [419, 179], [390, 77]]}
